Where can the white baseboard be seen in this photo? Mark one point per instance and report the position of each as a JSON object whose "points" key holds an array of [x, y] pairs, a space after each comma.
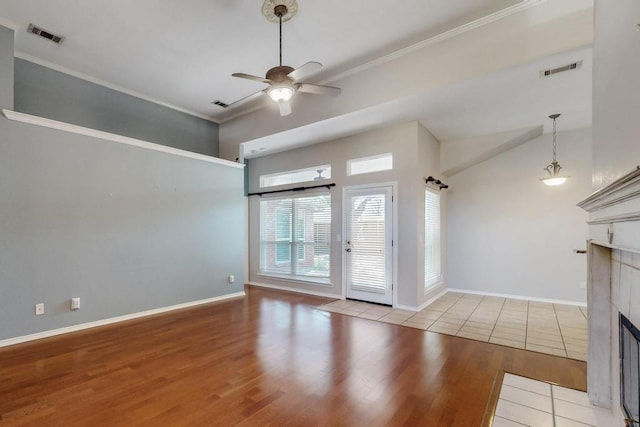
{"points": [[88, 325], [438, 293], [520, 297], [406, 307], [298, 290]]}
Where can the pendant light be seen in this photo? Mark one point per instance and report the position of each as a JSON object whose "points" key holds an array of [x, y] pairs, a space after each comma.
{"points": [[553, 169]]}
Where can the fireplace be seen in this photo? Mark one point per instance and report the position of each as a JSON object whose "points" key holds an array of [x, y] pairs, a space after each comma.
{"points": [[629, 371], [614, 298]]}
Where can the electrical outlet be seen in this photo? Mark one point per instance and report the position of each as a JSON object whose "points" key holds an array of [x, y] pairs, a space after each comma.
{"points": [[231, 279], [39, 309], [75, 303]]}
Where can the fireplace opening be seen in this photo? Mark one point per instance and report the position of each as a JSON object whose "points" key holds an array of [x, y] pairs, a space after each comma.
{"points": [[630, 371]]}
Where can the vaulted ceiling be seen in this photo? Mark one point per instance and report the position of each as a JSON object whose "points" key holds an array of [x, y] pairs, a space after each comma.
{"points": [[464, 68]]}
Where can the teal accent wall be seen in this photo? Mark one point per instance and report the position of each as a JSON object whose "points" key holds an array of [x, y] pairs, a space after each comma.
{"points": [[44, 92]]}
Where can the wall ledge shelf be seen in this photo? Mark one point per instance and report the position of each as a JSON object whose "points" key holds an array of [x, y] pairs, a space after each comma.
{"points": [[94, 133]]}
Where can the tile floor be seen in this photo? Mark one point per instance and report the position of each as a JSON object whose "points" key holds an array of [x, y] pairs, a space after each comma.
{"points": [[555, 329], [528, 402]]}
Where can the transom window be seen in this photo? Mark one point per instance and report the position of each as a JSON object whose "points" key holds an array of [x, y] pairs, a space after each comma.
{"points": [[295, 236], [314, 173], [377, 163]]}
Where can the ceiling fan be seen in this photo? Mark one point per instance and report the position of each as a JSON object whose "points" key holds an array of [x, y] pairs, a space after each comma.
{"points": [[283, 80]]}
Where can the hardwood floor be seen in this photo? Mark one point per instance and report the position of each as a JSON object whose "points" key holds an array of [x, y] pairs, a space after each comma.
{"points": [[268, 359]]}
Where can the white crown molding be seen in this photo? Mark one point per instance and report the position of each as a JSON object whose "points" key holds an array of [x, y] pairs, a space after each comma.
{"points": [[9, 24], [480, 22], [254, 106], [519, 297], [103, 83], [82, 326], [67, 127]]}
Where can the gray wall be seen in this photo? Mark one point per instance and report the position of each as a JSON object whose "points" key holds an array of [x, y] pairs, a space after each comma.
{"points": [[125, 229], [44, 92], [6, 68], [414, 152]]}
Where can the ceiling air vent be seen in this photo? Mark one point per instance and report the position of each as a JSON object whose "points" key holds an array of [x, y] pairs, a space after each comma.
{"points": [[220, 103], [44, 33], [568, 67]]}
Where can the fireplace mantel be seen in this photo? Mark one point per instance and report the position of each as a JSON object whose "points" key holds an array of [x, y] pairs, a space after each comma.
{"points": [[614, 213]]}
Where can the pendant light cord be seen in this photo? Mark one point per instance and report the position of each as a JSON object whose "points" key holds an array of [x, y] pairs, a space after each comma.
{"points": [[554, 140], [280, 19]]}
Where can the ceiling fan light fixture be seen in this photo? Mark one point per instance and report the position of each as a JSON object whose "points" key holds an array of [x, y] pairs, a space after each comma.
{"points": [[281, 92], [284, 81]]}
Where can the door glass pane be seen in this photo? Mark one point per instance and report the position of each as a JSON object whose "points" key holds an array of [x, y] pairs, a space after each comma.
{"points": [[367, 243]]}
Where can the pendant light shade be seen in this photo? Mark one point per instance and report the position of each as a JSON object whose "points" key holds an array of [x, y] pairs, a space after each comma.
{"points": [[553, 169]]}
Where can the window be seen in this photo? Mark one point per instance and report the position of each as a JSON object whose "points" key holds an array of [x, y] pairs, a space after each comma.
{"points": [[432, 267], [295, 236], [315, 173], [283, 234], [381, 162]]}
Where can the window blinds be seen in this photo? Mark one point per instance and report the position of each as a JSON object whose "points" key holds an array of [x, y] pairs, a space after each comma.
{"points": [[367, 257], [295, 236], [432, 267]]}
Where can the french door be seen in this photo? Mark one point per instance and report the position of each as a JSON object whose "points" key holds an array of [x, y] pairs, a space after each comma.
{"points": [[368, 252]]}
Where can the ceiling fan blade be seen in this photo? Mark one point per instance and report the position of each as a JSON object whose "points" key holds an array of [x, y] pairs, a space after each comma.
{"points": [[305, 70], [319, 89], [285, 108], [250, 77]]}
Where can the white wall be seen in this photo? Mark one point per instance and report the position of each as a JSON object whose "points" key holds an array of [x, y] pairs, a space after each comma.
{"points": [[616, 90], [508, 233], [616, 149], [429, 161], [410, 163]]}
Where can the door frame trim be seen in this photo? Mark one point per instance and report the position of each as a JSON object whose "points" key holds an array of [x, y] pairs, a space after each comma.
{"points": [[394, 228]]}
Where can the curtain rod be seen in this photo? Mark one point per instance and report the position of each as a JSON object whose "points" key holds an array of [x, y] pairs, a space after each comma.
{"points": [[436, 182], [328, 186]]}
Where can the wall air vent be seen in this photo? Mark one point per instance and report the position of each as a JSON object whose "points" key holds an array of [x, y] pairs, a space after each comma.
{"points": [[44, 33], [568, 67], [220, 103]]}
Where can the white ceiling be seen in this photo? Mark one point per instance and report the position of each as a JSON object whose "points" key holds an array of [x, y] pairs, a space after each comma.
{"points": [[182, 54], [514, 98]]}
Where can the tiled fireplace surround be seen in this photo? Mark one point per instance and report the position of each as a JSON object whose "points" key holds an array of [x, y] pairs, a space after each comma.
{"points": [[613, 284]]}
